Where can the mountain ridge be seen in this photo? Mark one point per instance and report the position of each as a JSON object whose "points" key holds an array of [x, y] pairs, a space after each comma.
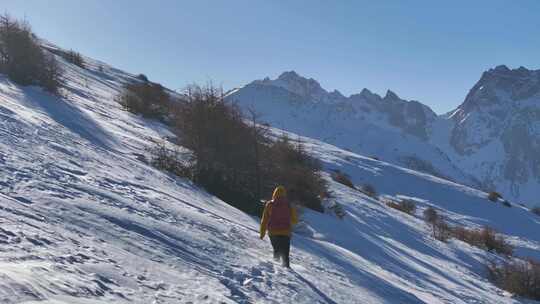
{"points": [[483, 121], [293, 77]]}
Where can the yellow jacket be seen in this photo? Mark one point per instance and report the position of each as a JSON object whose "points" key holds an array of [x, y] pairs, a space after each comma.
{"points": [[266, 217]]}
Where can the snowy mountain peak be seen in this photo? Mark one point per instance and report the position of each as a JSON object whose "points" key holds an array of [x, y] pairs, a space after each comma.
{"points": [[501, 87], [291, 76], [366, 92], [365, 95], [503, 71], [336, 94], [310, 89], [306, 88], [501, 68], [391, 96]]}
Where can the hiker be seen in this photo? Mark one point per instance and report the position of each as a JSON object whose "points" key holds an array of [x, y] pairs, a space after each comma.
{"points": [[278, 218]]}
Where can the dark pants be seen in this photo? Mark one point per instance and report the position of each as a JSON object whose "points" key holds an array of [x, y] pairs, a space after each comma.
{"points": [[282, 246]]}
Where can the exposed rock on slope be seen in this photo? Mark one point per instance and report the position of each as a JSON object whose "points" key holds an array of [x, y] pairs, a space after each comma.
{"points": [[498, 128]]}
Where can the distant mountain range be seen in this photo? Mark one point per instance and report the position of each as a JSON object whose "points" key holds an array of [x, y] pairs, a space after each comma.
{"points": [[491, 141]]}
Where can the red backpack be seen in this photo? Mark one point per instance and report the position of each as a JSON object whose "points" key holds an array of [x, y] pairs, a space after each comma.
{"points": [[280, 215]]}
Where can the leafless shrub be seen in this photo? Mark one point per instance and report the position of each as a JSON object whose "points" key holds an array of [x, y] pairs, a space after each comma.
{"points": [[169, 158], [439, 226], [337, 209], [343, 178], [74, 57], [142, 77], [486, 238], [409, 206], [536, 210], [49, 75], [236, 160], [520, 277], [148, 99], [431, 215], [494, 196], [287, 163], [404, 205], [441, 230], [368, 190], [23, 60]]}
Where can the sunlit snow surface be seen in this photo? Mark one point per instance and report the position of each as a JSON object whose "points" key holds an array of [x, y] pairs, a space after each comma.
{"points": [[83, 219]]}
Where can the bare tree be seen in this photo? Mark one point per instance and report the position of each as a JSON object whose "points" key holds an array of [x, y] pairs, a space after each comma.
{"points": [[259, 132], [233, 157], [22, 58]]}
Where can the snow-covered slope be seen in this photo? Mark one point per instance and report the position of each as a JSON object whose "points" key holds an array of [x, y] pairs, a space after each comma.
{"points": [[83, 219], [491, 141]]}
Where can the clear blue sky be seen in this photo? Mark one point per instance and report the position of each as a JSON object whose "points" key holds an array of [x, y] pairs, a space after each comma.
{"points": [[431, 51]]}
